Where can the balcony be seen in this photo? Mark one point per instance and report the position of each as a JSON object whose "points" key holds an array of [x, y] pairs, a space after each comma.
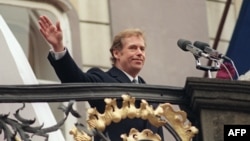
{"points": [[208, 102]]}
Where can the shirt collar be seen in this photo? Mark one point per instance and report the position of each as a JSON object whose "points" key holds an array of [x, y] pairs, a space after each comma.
{"points": [[130, 77]]}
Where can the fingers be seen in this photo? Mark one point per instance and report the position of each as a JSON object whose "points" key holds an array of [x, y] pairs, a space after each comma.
{"points": [[43, 25], [46, 22], [46, 26], [43, 32], [42, 28], [58, 26]]}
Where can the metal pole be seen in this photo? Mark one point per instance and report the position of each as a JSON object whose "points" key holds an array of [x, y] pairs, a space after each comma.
{"points": [[219, 31]]}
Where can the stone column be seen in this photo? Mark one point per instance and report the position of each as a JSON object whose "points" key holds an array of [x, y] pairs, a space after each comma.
{"points": [[216, 103]]}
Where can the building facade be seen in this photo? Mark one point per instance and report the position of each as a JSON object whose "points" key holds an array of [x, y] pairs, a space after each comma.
{"points": [[89, 26]]}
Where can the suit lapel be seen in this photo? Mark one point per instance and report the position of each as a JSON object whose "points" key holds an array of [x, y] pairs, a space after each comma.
{"points": [[118, 75], [121, 77], [141, 80]]}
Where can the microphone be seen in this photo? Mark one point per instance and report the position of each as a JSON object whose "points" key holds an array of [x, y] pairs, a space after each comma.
{"points": [[207, 49], [187, 46]]}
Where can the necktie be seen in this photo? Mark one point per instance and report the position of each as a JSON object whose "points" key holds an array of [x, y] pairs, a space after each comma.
{"points": [[135, 81]]}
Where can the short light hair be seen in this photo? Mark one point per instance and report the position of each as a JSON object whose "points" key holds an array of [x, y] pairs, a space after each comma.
{"points": [[117, 41]]}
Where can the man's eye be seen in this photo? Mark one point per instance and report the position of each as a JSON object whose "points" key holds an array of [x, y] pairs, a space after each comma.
{"points": [[133, 47]]}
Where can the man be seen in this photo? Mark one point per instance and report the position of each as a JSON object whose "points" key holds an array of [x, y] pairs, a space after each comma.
{"points": [[128, 57]]}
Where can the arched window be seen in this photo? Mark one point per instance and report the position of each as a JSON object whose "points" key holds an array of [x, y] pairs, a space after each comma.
{"points": [[22, 19]]}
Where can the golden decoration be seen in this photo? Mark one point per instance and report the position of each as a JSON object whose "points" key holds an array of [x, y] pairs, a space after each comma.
{"points": [[17, 138], [79, 135], [163, 114], [135, 135]]}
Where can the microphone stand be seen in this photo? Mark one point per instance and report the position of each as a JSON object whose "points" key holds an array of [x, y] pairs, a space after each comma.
{"points": [[208, 69]]}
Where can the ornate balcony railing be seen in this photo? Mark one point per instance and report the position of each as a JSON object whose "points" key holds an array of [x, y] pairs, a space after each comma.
{"points": [[207, 103], [79, 92]]}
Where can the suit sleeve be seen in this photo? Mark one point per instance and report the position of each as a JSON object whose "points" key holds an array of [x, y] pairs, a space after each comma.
{"points": [[68, 71]]}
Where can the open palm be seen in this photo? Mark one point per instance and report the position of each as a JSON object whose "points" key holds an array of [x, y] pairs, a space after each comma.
{"points": [[52, 33]]}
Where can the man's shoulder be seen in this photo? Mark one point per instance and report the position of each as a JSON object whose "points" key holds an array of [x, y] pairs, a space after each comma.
{"points": [[95, 70], [101, 75], [112, 71]]}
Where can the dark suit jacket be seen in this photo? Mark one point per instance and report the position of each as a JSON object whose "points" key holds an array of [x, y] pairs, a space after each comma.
{"points": [[68, 71]]}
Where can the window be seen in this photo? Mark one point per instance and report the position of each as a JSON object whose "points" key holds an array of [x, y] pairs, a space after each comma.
{"points": [[23, 22]]}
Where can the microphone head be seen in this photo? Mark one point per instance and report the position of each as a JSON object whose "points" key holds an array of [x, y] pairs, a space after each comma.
{"points": [[182, 43], [201, 45], [207, 49]]}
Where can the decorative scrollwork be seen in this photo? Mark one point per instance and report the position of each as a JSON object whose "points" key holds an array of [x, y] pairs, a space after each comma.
{"points": [[145, 135], [162, 115], [22, 128]]}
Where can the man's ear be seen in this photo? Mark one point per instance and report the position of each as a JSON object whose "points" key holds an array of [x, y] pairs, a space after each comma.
{"points": [[116, 53]]}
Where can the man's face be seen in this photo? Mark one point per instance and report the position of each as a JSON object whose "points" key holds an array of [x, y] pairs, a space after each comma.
{"points": [[132, 56]]}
